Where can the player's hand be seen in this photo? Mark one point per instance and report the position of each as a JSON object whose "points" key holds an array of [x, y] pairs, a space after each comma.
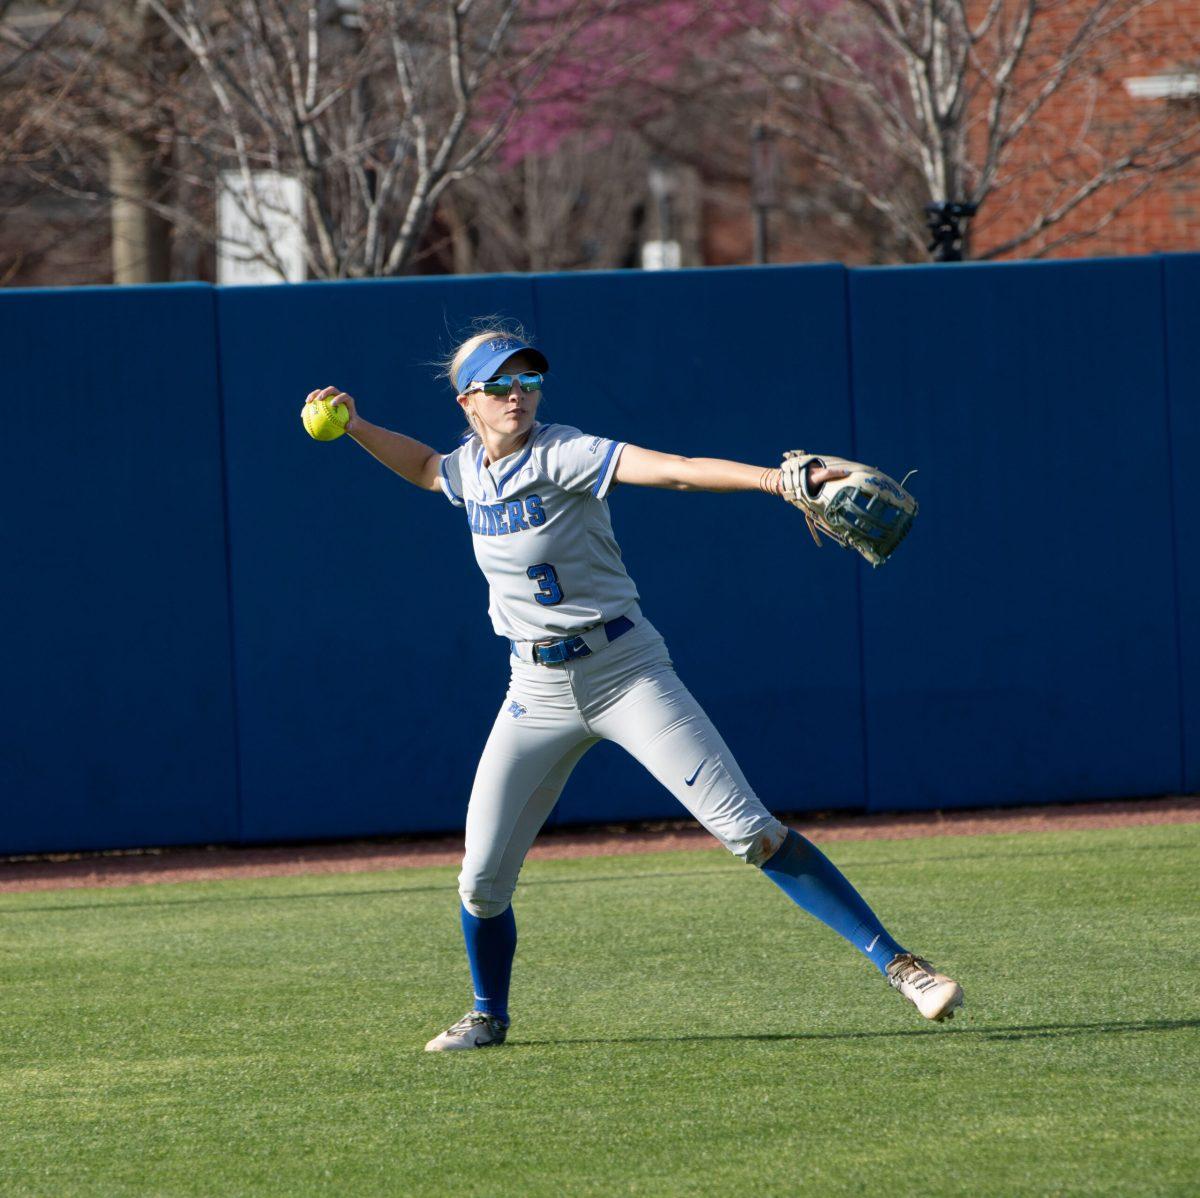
{"points": [[338, 399]]}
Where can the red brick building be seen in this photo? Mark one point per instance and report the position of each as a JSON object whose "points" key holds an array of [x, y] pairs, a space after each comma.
{"points": [[1132, 106]]}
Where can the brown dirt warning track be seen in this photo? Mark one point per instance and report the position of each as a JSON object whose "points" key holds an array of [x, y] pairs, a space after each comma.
{"points": [[128, 868]]}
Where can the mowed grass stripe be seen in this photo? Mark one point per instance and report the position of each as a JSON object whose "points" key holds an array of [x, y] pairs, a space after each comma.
{"points": [[680, 1029]]}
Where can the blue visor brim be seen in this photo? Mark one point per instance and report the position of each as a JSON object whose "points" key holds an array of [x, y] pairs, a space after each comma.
{"points": [[485, 362]]}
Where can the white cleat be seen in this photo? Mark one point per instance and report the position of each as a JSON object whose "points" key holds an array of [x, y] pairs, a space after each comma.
{"points": [[935, 995], [476, 1029]]}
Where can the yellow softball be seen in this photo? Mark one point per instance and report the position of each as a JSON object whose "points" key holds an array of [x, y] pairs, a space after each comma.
{"points": [[324, 422]]}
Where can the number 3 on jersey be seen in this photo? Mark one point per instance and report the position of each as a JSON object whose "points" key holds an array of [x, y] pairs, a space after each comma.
{"points": [[549, 592]]}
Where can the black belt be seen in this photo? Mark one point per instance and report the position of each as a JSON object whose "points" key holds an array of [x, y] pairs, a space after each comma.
{"points": [[552, 653]]}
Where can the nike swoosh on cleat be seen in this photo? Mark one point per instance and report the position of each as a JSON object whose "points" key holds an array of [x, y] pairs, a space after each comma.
{"points": [[689, 781]]}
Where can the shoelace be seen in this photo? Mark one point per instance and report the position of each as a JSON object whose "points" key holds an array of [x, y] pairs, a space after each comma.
{"points": [[469, 1020], [912, 971]]}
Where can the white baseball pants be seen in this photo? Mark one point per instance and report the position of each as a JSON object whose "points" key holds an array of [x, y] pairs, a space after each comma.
{"points": [[628, 693]]}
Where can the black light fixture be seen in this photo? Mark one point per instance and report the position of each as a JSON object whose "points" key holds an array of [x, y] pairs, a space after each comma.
{"points": [[944, 221]]}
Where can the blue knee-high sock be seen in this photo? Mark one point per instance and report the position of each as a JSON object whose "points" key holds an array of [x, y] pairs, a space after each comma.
{"points": [[491, 944], [813, 882]]}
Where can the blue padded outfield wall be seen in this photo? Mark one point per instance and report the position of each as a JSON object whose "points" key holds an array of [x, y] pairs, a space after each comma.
{"points": [[117, 691], [1028, 648], [221, 631]]}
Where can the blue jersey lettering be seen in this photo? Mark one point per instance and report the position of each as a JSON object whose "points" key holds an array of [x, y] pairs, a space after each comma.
{"points": [[516, 510], [499, 519]]}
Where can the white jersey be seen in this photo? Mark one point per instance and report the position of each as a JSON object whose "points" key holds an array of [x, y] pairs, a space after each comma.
{"points": [[541, 531]]}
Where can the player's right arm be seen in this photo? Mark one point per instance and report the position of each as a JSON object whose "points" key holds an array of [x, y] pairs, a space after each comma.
{"points": [[409, 458]]}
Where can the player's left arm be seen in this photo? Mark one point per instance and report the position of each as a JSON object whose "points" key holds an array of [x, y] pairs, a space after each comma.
{"points": [[639, 467]]}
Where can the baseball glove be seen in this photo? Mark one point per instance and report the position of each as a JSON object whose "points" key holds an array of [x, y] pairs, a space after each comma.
{"points": [[866, 510]]}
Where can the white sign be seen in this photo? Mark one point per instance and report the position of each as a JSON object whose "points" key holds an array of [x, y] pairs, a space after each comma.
{"points": [[661, 255], [1163, 87], [260, 236]]}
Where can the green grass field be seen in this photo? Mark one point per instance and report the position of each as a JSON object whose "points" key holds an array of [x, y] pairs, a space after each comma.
{"points": [[679, 1028]]}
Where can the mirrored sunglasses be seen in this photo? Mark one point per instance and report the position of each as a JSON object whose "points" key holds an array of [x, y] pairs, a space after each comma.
{"points": [[501, 385]]}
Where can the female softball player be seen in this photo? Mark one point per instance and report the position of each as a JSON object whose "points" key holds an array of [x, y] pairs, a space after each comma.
{"points": [[586, 665]]}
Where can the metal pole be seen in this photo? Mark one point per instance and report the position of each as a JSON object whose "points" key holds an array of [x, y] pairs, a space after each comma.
{"points": [[763, 170], [761, 245]]}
